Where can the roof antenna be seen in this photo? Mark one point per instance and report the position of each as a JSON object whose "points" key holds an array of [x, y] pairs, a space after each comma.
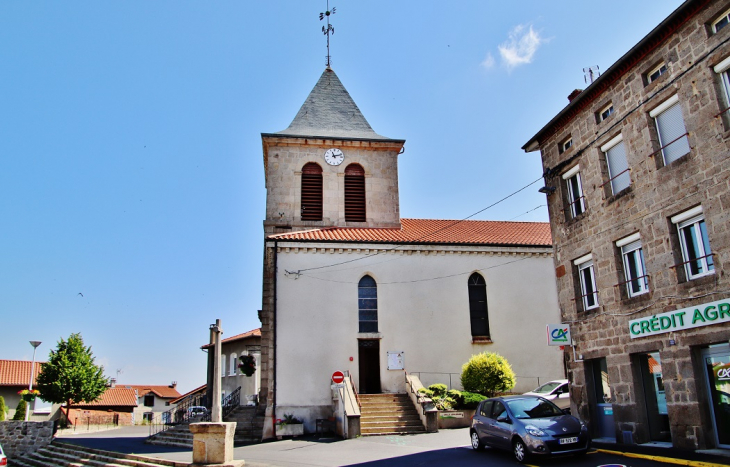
{"points": [[592, 73], [326, 30]]}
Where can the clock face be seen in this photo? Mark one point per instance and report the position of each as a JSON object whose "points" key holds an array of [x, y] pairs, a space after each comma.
{"points": [[334, 156]]}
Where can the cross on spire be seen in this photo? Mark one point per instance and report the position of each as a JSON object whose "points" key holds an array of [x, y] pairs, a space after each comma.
{"points": [[329, 29]]}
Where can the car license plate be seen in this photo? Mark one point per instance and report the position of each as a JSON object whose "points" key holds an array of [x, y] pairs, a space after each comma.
{"points": [[568, 440]]}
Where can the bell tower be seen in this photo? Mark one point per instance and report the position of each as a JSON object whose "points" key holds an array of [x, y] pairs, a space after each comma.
{"points": [[329, 168]]}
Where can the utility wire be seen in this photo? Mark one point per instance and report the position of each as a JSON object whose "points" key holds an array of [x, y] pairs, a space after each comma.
{"points": [[300, 271]]}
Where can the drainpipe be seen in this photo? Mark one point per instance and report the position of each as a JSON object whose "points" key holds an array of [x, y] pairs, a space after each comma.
{"points": [[273, 369]]}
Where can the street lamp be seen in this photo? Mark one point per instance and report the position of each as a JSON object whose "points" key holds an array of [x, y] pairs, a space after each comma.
{"points": [[35, 345]]}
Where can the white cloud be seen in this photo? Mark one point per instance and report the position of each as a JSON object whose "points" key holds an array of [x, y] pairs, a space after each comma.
{"points": [[521, 46], [488, 61]]}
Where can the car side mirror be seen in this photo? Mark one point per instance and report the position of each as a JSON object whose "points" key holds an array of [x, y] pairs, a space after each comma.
{"points": [[504, 419]]}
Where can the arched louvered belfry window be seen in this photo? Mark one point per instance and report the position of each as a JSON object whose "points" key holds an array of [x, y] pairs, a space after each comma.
{"points": [[354, 193], [367, 304], [478, 310], [311, 192]]}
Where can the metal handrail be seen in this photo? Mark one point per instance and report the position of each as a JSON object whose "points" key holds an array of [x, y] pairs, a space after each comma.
{"points": [[181, 414], [230, 402]]}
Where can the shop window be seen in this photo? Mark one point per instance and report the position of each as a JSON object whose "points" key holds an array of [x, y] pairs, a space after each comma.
{"points": [[367, 298], [576, 200], [587, 280], [632, 256], [618, 167], [670, 127], [311, 192], [694, 242], [478, 309]]}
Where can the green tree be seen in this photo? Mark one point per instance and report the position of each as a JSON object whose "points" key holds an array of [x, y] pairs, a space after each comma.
{"points": [[3, 409], [487, 373], [70, 375], [20, 410]]}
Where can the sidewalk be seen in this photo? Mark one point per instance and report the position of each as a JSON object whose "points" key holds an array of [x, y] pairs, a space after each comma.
{"points": [[329, 452], [665, 452]]}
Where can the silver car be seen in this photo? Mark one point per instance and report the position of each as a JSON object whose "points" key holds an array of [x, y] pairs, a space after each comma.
{"points": [[557, 391], [527, 425]]}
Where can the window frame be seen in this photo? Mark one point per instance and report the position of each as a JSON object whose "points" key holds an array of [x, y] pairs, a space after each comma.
{"points": [[661, 69], [584, 264], [694, 220], [574, 174], [355, 193], [614, 179], [362, 310], [659, 111], [724, 16], [146, 397], [232, 364], [477, 287], [628, 246], [311, 193], [608, 110], [565, 144], [723, 70]]}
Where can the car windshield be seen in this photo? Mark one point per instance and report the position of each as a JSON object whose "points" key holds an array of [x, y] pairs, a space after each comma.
{"points": [[533, 408], [547, 387]]}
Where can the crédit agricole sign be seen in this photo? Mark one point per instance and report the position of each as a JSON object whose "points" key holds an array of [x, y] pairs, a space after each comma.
{"points": [[686, 318]]}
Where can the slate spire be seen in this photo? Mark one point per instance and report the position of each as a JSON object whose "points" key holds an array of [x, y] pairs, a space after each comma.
{"points": [[329, 111]]}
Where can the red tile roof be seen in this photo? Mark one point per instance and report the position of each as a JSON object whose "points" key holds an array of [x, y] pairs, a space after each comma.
{"points": [[252, 333], [113, 397], [432, 231], [17, 372], [165, 392]]}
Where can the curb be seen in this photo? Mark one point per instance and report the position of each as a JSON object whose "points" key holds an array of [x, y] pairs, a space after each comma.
{"points": [[668, 460]]}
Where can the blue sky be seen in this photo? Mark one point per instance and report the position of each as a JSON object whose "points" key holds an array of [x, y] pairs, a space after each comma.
{"points": [[131, 169]]}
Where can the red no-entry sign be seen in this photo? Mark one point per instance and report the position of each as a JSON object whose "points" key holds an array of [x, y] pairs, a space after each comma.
{"points": [[338, 377]]}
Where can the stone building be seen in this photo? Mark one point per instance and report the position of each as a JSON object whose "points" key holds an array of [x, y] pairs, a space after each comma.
{"points": [[350, 286], [638, 182]]}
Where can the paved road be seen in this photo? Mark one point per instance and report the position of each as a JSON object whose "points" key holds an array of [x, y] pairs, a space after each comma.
{"points": [[448, 448]]}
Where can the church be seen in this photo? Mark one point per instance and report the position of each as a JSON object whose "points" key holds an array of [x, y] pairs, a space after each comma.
{"points": [[349, 285]]}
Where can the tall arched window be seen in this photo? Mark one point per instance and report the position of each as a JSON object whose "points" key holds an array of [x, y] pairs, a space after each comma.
{"points": [[223, 366], [478, 310], [367, 303], [311, 192], [354, 193]]}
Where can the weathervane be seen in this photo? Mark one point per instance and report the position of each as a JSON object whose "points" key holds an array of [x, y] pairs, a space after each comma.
{"points": [[329, 29]]}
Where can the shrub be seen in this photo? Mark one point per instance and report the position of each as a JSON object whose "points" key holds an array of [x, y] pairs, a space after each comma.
{"points": [[3, 409], [487, 373], [439, 390], [444, 403], [20, 410], [426, 392], [470, 400]]}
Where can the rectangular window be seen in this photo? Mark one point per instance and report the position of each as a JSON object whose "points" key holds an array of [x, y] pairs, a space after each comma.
{"points": [[721, 22], [575, 191], [618, 168], [632, 254], [565, 145], [587, 277], [605, 112], [149, 400], [656, 72], [695, 244], [722, 70], [671, 129]]}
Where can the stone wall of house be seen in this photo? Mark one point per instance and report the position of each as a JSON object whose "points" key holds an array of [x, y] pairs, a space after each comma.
{"points": [[18, 437], [287, 156], [657, 192]]}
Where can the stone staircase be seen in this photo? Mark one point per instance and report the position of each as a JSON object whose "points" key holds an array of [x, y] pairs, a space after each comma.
{"points": [[388, 414], [249, 429], [59, 454], [249, 424], [177, 436]]}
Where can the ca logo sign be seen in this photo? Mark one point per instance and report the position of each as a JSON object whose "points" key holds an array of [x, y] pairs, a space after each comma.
{"points": [[560, 335], [723, 374]]}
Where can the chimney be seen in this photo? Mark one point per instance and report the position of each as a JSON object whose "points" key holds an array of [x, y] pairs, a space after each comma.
{"points": [[173, 385], [574, 94], [112, 383]]}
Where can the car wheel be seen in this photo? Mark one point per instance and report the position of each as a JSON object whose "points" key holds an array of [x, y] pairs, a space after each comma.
{"points": [[519, 450], [476, 443]]}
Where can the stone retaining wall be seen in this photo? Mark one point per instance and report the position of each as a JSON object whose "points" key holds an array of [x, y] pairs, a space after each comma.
{"points": [[19, 437]]}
